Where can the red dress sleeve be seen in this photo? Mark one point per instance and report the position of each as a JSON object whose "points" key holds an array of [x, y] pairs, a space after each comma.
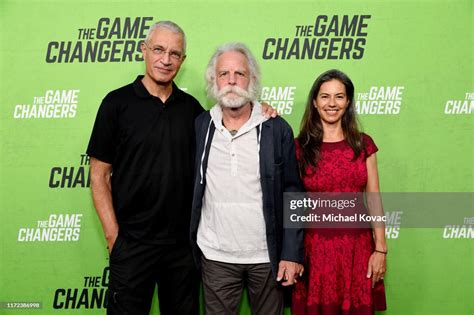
{"points": [[370, 147], [298, 149]]}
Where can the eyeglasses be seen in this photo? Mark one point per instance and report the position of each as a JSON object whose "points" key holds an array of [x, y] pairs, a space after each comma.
{"points": [[159, 51]]}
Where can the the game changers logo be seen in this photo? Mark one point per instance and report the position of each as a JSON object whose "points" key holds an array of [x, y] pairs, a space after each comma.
{"points": [[380, 100], [459, 106], [465, 230], [92, 294], [336, 37], [392, 227], [71, 176], [112, 40], [279, 97], [52, 104], [55, 228]]}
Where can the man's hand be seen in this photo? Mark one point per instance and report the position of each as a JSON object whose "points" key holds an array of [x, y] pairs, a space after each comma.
{"points": [[289, 271], [268, 111]]}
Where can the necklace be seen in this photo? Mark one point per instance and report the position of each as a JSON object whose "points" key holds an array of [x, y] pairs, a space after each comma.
{"points": [[233, 132]]}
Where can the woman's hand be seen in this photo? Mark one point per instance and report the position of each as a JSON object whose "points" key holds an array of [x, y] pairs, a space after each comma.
{"points": [[377, 267]]}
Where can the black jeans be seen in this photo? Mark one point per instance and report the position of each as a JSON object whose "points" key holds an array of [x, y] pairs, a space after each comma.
{"points": [[135, 270]]}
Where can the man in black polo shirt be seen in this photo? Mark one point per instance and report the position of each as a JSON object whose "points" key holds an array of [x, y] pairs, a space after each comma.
{"points": [[142, 155]]}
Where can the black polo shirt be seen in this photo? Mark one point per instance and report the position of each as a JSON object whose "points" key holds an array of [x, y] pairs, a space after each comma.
{"points": [[151, 147]]}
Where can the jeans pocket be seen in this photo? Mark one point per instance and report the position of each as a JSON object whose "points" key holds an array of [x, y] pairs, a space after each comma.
{"points": [[116, 246]]}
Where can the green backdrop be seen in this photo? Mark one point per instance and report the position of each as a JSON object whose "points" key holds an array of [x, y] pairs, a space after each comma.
{"points": [[411, 62]]}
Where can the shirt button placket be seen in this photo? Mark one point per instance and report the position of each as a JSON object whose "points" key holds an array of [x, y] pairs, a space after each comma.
{"points": [[233, 159]]}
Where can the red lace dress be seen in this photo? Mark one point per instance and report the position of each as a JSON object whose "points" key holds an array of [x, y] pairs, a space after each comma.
{"points": [[335, 280]]}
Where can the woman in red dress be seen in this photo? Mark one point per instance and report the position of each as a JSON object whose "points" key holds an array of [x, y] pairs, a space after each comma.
{"points": [[344, 266]]}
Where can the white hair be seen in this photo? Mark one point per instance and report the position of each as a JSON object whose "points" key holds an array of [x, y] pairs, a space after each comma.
{"points": [[170, 26], [254, 84]]}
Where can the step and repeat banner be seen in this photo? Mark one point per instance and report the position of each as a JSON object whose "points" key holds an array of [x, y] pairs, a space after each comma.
{"points": [[411, 63]]}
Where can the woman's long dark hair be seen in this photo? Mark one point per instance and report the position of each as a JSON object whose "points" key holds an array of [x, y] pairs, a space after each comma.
{"points": [[311, 130]]}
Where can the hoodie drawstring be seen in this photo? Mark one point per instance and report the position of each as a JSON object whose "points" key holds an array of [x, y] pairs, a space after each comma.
{"points": [[201, 170], [259, 132]]}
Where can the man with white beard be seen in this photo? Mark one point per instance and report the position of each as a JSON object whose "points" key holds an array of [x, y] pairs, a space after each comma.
{"points": [[244, 163]]}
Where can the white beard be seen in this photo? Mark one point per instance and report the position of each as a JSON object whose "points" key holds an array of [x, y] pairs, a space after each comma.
{"points": [[242, 97]]}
